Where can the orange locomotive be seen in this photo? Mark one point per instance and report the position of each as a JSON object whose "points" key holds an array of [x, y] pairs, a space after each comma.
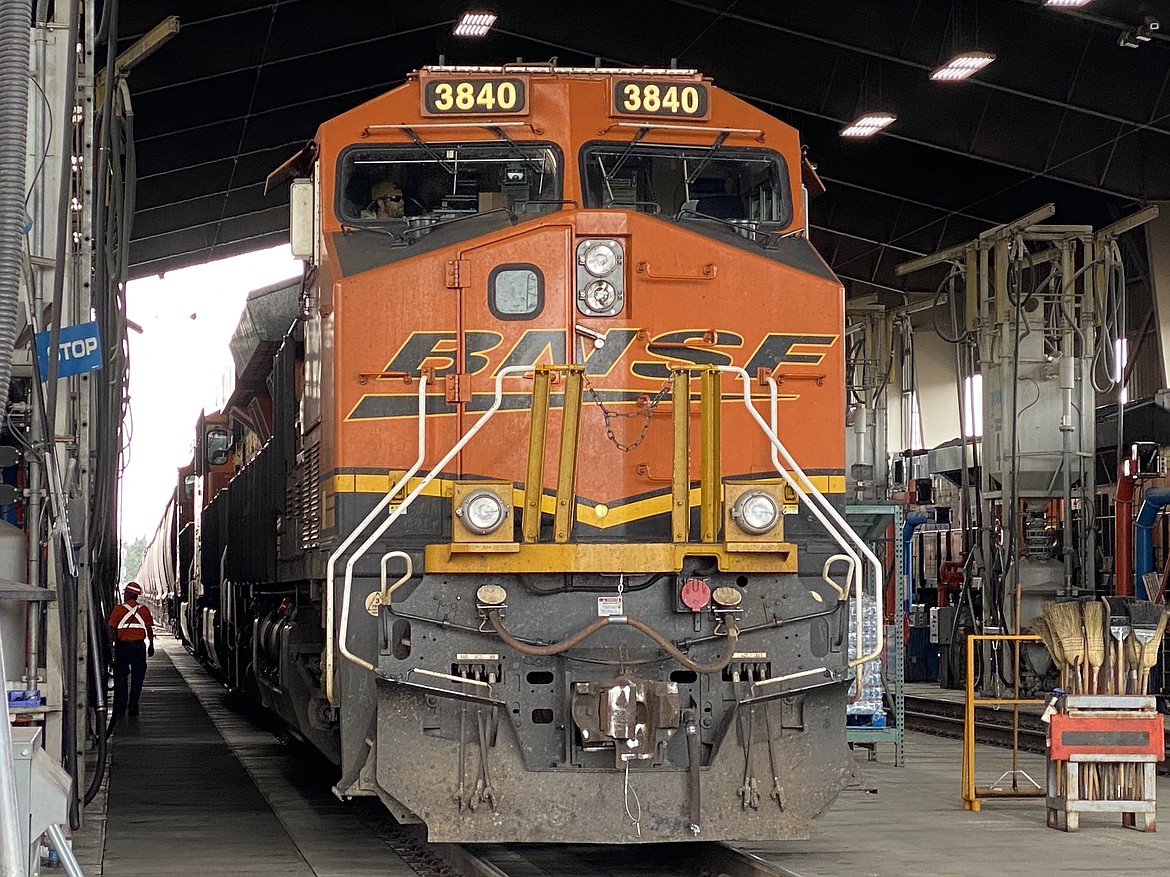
{"points": [[547, 519]]}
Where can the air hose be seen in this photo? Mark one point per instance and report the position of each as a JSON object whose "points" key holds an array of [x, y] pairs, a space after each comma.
{"points": [[493, 616]]}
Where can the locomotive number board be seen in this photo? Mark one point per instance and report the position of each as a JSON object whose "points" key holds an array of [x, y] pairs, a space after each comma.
{"points": [[475, 96], [658, 98]]}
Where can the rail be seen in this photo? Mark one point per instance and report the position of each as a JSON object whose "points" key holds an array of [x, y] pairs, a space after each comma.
{"points": [[823, 511], [352, 537], [793, 475], [383, 596], [407, 501]]}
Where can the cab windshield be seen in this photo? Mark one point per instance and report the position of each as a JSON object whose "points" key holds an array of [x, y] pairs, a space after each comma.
{"points": [[425, 185], [737, 185]]}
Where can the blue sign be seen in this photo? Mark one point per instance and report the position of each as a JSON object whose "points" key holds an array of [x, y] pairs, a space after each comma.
{"points": [[78, 351]]}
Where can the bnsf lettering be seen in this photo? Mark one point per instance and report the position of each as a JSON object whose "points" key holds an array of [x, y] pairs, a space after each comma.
{"points": [[672, 346], [536, 347], [439, 350]]}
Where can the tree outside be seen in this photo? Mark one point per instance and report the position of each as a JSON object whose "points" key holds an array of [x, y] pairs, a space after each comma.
{"points": [[132, 555]]}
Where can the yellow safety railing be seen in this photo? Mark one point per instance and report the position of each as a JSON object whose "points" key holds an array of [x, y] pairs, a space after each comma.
{"points": [[972, 794]]}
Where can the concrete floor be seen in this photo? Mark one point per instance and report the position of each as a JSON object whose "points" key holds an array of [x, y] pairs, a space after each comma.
{"points": [[914, 825], [179, 802]]}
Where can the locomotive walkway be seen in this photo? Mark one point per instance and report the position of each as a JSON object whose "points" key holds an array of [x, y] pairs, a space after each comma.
{"points": [[181, 800]]}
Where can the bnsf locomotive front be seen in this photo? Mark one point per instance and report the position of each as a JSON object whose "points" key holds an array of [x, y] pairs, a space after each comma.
{"points": [[559, 466]]}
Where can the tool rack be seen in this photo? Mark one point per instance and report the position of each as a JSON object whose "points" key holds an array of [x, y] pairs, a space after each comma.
{"points": [[1125, 736]]}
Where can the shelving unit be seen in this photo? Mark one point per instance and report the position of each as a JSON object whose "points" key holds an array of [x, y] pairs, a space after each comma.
{"points": [[871, 521], [15, 592]]}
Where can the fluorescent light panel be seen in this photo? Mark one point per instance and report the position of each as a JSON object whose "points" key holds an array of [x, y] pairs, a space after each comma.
{"points": [[962, 66], [1067, 4], [474, 24], [867, 125]]}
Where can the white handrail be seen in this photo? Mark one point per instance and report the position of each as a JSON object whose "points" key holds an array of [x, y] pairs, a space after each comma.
{"points": [[387, 594], [352, 537], [428, 478], [853, 579], [343, 635], [809, 490]]}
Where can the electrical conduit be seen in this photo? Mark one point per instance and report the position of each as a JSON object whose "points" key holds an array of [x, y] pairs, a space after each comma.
{"points": [[1155, 499]]}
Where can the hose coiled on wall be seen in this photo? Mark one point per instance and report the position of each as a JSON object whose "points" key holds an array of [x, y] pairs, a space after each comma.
{"points": [[15, 19]]}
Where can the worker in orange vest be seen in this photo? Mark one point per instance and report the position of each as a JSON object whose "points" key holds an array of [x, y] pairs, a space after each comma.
{"points": [[132, 625]]}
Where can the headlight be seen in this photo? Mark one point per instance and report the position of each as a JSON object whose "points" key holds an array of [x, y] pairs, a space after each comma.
{"points": [[482, 512], [600, 277], [600, 296], [756, 512], [600, 259]]}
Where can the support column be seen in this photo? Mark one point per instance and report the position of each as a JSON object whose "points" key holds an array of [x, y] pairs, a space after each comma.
{"points": [[1158, 247]]}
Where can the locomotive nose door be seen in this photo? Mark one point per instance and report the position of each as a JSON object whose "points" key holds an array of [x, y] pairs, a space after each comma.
{"points": [[516, 310]]}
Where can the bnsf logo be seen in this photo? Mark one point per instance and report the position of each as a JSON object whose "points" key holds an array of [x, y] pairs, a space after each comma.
{"points": [[438, 351]]}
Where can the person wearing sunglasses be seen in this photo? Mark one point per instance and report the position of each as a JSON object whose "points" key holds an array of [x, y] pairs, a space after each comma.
{"points": [[386, 200]]}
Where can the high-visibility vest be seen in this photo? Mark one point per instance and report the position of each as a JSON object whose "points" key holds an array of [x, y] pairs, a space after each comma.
{"points": [[132, 621]]}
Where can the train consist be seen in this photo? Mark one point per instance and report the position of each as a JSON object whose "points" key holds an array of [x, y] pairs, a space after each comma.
{"points": [[526, 507]]}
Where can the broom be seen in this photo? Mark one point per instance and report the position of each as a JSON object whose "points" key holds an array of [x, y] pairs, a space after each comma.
{"points": [[1150, 648], [1065, 621], [1119, 630], [1094, 616], [1144, 619], [1043, 629]]}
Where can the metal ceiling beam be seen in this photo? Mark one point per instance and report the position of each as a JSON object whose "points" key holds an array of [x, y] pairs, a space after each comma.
{"points": [[1089, 15], [194, 22], [347, 48], [1029, 172], [894, 59], [291, 145]]}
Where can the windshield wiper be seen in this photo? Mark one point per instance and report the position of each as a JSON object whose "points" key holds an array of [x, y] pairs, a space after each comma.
{"points": [[621, 159], [516, 150], [706, 159], [429, 150]]}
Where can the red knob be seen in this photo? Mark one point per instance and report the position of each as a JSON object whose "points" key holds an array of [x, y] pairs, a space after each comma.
{"points": [[696, 594]]}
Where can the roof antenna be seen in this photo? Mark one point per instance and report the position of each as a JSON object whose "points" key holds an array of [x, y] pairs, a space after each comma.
{"points": [[674, 63], [442, 60], [597, 62]]}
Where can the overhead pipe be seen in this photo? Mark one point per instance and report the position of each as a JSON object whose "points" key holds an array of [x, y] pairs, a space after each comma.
{"points": [[1155, 499], [1123, 530]]}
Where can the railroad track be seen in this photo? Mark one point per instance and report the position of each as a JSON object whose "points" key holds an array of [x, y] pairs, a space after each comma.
{"points": [[657, 860], [945, 719]]}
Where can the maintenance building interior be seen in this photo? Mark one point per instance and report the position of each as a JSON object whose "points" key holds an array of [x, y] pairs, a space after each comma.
{"points": [[981, 188]]}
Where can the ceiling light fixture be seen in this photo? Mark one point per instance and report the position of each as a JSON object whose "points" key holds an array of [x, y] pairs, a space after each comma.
{"points": [[1067, 4], [475, 24], [867, 125], [962, 66]]}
